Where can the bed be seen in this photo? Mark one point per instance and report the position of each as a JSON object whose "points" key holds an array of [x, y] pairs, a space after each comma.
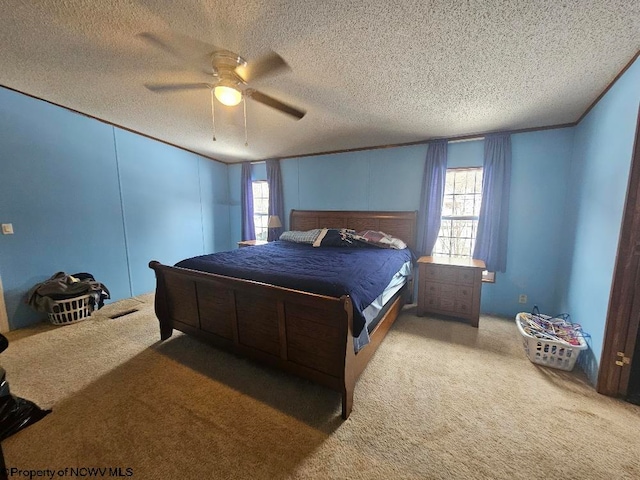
{"points": [[312, 335]]}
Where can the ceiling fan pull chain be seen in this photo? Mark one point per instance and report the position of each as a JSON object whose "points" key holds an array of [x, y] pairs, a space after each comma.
{"points": [[246, 139], [213, 117]]}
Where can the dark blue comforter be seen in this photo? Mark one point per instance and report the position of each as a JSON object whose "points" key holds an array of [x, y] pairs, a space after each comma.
{"points": [[361, 273]]}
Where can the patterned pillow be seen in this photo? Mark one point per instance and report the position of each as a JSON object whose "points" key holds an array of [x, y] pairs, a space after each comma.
{"points": [[380, 239], [334, 237], [301, 237]]}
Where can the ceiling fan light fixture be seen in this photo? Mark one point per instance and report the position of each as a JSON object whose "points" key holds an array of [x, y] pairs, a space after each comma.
{"points": [[228, 96]]}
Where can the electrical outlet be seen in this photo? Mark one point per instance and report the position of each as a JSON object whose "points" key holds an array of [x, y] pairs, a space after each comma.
{"points": [[7, 229], [522, 298]]}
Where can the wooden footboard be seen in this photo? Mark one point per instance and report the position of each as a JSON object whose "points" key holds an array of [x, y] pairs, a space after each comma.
{"points": [[302, 333]]}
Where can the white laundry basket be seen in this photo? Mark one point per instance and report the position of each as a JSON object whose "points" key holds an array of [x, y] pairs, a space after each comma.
{"points": [[549, 353], [71, 310]]}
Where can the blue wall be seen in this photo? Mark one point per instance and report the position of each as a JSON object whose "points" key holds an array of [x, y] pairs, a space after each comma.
{"points": [[390, 179], [383, 179], [355, 181], [539, 176], [85, 196], [600, 166]]}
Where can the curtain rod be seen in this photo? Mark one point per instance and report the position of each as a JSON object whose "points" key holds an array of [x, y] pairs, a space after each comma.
{"points": [[470, 139]]}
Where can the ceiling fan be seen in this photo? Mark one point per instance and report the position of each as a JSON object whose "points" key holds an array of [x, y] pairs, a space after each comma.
{"points": [[230, 73]]}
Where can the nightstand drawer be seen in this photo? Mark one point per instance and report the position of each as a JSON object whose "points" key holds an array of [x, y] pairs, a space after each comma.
{"points": [[447, 299], [464, 308], [464, 294], [431, 289], [464, 300], [438, 296], [440, 274], [465, 276]]}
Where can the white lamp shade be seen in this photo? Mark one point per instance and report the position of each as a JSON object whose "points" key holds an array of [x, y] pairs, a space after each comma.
{"points": [[274, 221], [227, 95]]}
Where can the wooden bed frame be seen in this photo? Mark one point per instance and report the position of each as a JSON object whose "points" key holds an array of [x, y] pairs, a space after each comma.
{"points": [[302, 333]]}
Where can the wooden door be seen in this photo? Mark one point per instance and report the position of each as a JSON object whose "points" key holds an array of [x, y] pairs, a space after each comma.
{"points": [[623, 317]]}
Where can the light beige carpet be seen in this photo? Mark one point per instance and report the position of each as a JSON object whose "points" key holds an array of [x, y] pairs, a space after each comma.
{"points": [[440, 400]]}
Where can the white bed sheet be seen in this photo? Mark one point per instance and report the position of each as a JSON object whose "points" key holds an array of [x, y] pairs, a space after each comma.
{"points": [[372, 311]]}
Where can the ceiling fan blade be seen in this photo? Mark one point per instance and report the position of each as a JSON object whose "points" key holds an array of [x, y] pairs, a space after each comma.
{"points": [[273, 103], [270, 64], [191, 51], [176, 87]]}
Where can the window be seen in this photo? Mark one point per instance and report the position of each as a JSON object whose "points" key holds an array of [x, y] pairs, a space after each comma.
{"points": [[261, 208], [460, 212]]}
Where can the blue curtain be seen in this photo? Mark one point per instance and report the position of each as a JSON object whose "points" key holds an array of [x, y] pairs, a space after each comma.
{"points": [[246, 191], [435, 173], [276, 199], [493, 224]]}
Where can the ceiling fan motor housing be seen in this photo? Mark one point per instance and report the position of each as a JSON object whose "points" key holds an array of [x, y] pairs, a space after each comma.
{"points": [[224, 64]]}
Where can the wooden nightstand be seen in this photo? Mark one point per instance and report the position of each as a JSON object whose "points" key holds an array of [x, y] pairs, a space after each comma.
{"points": [[450, 286], [251, 243]]}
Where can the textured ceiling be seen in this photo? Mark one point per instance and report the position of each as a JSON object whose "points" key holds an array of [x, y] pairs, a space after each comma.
{"points": [[367, 72]]}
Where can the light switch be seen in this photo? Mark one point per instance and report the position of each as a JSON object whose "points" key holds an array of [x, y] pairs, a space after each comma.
{"points": [[7, 229]]}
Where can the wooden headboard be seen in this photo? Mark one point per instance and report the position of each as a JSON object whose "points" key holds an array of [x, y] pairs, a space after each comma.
{"points": [[397, 224]]}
